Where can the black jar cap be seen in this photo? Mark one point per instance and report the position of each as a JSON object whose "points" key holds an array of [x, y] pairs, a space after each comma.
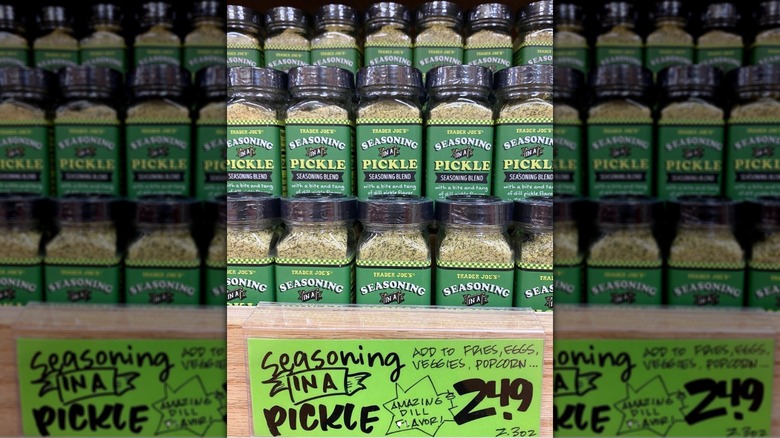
{"points": [[208, 9], [157, 209], [252, 207], [669, 9], [257, 77], [85, 208], [319, 207], [621, 80], [768, 13], [469, 76], [565, 208], [698, 80], [282, 17], [212, 81], [389, 75], [568, 13], [88, 81], [533, 76], [439, 9], [395, 210], [335, 14], [705, 210], [25, 83], [769, 211], [615, 13], [567, 83], [53, 17], [753, 81], [158, 80], [19, 207], [497, 15], [379, 14], [474, 210], [625, 210], [155, 13], [106, 14], [536, 12], [244, 17], [721, 15], [10, 20], [535, 211], [320, 76]]}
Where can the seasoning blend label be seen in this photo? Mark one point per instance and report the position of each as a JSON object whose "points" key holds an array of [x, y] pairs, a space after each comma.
{"points": [[428, 57], [87, 281], [197, 57], [608, 55], [211, 158], [254, 159], [148, 54], [284, 58], [763, 286], [158, 157], [24, 157], [315, 281], [459, 159], [577, 58], [389, 157], [241, 55], [111, 57], [715, 285], [53, 59], [14, 57], [21, 281], [319, 156], [762, 53], [690, 159], [493, 57], [567, 157], [215, 285], [531, 54], [524, 158], [474, 284], [395, 283], [250, 282], [347, 57], [725, 58], [658, 58], [376, 54], [534, 285], [624, 283], [753, 165], [87, 157], [620, 156], [159, 284], [568, 283]]}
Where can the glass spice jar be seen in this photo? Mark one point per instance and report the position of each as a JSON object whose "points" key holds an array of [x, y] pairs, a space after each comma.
{"points": [[244, 43], [389, 103], [82, 261], [669, 44], [570, 43], [335, 42], [619, 43], [624, 264], [764, 267], [105, 46], [534, 253], [720, 45], [287, 44], [205, 45], [156, 43], [534, 43], [21, 272], [315, 255], [766, 47], [438, 41], [215, 281], [568, 147], [394, 253], [14, 49], [56, 47], [489, 37], [211, 133], [252, 230], [388, 39], [568, 271]]}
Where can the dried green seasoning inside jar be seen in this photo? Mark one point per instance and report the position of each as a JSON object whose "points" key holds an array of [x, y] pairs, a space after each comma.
{"points": [[82, 261], [489, 37], [157, 43], [56, 47], [568, 138], [766, 48], [21, 272], [105, 45], [335, 42], [211, 133], [215, 284], [570, 43], [567, 258], [316, 254], [394, 254], [764, 267], [388, 39], [720, 44], [669, 44], [204, 46], [438, 41], [244, 37], [474, 258], [618, 43], [534, 43], [706, 262], [14, 49], [287, 44], [534, 253], [624, 262]]}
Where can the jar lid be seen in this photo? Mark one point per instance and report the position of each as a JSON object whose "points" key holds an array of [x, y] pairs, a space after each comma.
{"points": [[387, 12], [690, 81], [567, 82], [474, 210], [533, 76], [471, 76], [535, 211], [106, 14], [616, 13], [244, 16], [252, 207], [669, 9], [158, 80], [10, 20], [320, 76], [706, 210], [54, 17], [84, 208], [88, 81], [152, 210], [437, 10], [625, 210], [282, 17], [24, 82], [753, 81], [395, 210], [212, 81], [536, 12], [390, 75], [208, 9], [565, 208], [720, 15], [335, 14], [769, 211], [18, 207], [490, 15], [568, 14], [156, 13], [621, 80], [318, 207], [769, 13]]}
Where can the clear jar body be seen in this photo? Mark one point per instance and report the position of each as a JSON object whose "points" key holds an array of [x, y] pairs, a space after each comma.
{"points": [[14, 109], [389, 34], [458, 103], [766, 250], [82, 109], [207, 32], [489, 36], [439, 31], [394, 243], [61, 38], [705, 244], [474, 244], [524, 103], [566, 242], [157, 109], [620, 108], [766, 107], [160, 33], [325, 241], [12, 40], [255, 103], [621, 34], [251, 240], [320, 103], [534, 245], [768, 36], [243, 37], [535, 34], [165, 243], [720, 38], [387, 103], [104, 36], [691, 108], [626, 243], [19, 240], [569, 36], [670, 31], [96, 241], [335, 35], [294, 37]]}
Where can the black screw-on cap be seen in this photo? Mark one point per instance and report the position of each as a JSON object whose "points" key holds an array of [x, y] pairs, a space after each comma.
{"points": [[462, 76], [320, 76], [10, 20], [18, 207], [474, 210], [621, 80], [244, 18], [398, 76], [753, 81], [565, 208], [539, 12], [335, 14], [437, 10], [495, 15], [158, 80], [151, 210], [701, 81], [567, 83], [106, 14], [535, 211], [283, 17], [625, 210], [615, 13], [156, 13], [85, 208], [769, 211], [212, 81], [537, 77], [54, 17], [395, 210], [252, 207], [319, 207], [768, 14], [720, 16], [665, 9], [208, 9], [706, 210], [24, 83], [383, 13], [87, 81], [257, 77]]}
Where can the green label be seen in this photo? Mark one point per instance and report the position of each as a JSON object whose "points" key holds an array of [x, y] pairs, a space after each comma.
{"points": [[393, 285], [568, 284], [122, 387], [663, 387], [347, 58], [24, 159], [494, 58], [533, 55], [249, 284], [706, 287], [389, 157], [157, 55], [474, 286], [86, 159], [319, 157], [725, 58], [608, 55], [314, 284], [620, 159], [111, 57], [753, 165], [567, 159], [245, 57], [765, 54], [690, 160], [14, 57], [534, 288], [764, 288], [658, 58], [624, 286], [254, 159], [284, 60], [524, 159], [55, 59], [148, 285], [426, 58], [399, 387], [216, 286], [82, 284], [459, 159], [158, 159], [198, 57], [577, 58], [20, 284], [389, 56], [211, 158]]}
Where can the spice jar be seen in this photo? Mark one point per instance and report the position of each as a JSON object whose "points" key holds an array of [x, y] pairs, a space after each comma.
{"points": [[335, 42], [534, 43], [706, 262], [162, 265], [752, 167], [21, 272], [252, 223], [720, 45], [24, 127], [157, 43], [87, 146], [523, 165], [489, 40], [568, 151], [204, 46], [394, 254], [691, 132], [571, 44], [216, 256], [568, 270], [624, 262], [57, 47], [766, 47], [158, 132], [318, 131], [620, 132], [244, 47], [474, 258], [257, 97], [764, 267], [82, 261], [669, 44], [105, 46], [618, 43], [14, 49], [459, 134], [438, 41], [389, 135], [388, 38], [534, 253], [316, 253], [287, 44], [211, 133]]}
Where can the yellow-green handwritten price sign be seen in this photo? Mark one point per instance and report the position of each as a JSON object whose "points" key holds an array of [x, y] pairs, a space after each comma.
{"points": [[663, 387], [403, 388], [122, 387]]}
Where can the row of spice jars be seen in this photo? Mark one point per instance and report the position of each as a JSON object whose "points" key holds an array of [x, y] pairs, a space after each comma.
{"points": [[150, 142], [703, 135], [695, 251], [320, 257], [89, 253], [106, 43], [458, 142], [719, 40], [388, 38]]}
